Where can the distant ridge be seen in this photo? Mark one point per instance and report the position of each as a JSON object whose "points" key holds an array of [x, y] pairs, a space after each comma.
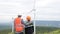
{"points": [[47, 23]]}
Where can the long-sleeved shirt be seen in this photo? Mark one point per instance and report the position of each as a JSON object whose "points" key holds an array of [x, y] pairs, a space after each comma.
{"points": [[28, 24]]}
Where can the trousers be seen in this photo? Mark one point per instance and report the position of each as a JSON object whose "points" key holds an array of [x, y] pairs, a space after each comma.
{"points": [[29, 30]]}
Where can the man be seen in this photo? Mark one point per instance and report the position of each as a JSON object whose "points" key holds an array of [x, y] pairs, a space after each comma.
{"points": [[29, 28], [18, 26]]}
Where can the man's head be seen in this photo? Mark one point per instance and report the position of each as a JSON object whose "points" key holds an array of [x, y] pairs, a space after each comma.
{"points": [[19, 15], [28, 18]]}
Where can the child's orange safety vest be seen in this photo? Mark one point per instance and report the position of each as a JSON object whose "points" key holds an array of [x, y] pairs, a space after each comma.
{"points": [[18, 25]]}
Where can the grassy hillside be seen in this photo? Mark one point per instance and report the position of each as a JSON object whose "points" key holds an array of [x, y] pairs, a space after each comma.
{"points": [[39, 30], [47, 30], [6, 31]]}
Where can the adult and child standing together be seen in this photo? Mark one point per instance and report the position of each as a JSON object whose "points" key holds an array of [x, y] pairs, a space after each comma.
{"points": [[20, 25]]}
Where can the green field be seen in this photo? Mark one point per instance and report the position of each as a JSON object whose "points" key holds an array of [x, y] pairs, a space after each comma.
{"points": [[39, 30], [47, 30], [6, 31]]}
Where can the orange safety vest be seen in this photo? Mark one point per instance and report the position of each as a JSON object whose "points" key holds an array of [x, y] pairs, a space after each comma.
{"points": [[18, 25]]}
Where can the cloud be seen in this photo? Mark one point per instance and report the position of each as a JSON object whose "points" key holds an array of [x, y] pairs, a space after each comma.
{"points": [[45, 9], [48, 17]]}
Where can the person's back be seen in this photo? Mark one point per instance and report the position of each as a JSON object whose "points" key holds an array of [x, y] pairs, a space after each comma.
{"points": [[18, 25]]}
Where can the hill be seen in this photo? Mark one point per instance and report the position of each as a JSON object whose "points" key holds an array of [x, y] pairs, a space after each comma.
{"points": [[47, 30]]}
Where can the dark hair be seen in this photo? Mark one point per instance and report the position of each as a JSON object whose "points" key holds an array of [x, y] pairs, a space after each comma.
{"points": [[19, 15]]}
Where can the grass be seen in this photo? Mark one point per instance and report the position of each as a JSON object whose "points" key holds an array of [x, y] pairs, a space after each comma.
{"points": [[39, 30], [47, 30], [6, 31]]}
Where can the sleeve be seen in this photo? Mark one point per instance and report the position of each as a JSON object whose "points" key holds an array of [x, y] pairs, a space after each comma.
{"points": [[29, 23], [23, 22]]}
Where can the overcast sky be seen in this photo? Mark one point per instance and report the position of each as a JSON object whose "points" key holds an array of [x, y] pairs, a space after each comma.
{"points": [[45, 9]]}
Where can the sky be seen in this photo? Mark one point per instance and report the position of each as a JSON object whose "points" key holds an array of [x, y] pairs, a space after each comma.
{"points": [[45, 9]]}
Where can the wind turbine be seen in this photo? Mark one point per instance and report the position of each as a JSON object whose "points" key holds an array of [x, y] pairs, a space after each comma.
{"points": [[27, 13], [34, 15]]}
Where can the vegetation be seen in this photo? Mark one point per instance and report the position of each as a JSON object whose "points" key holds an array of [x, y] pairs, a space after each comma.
{"points": [[47, 30], [39, 30], [6, 31]]}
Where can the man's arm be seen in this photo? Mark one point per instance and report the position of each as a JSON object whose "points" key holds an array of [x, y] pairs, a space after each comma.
{"points": [[23, 22]]}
